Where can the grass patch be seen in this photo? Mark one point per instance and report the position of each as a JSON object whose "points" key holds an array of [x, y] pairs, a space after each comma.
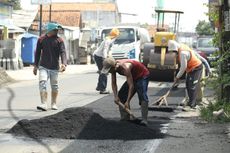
{"points": [[206, 113]]}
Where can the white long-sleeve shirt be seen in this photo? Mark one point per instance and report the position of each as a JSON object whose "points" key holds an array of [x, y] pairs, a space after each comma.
{"points": [[184, 58], [103, 49]]}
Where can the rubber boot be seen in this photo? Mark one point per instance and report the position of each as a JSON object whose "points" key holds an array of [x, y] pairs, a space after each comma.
{"points": [[54, 95], [124, 115], [43, 105], [144, 113]]}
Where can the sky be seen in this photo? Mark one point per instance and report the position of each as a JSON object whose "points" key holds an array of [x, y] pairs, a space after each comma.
{"points": [[194, 10], [142, 11]]}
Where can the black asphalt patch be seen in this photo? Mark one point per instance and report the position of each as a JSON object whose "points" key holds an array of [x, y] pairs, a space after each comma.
{"points": [[161, 108], [83, 123]]}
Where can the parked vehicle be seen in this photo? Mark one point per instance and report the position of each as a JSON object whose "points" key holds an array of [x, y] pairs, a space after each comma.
{"points": [[130, 42], [203, 54], [205, 45]]}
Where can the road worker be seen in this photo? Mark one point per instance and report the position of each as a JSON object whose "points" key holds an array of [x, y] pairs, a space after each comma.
{"points": [[191, 63], [137, 79], [100, 54]]}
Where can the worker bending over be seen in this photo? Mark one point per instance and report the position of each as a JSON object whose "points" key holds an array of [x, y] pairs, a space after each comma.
{"points": [[137, 79], [191, 63]]}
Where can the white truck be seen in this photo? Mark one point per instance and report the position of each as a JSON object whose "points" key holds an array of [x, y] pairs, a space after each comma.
{"points": [[130, 42]]}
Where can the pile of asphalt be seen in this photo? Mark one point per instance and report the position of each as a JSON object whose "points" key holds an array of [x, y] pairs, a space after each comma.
{"points": [[82, 123], [4, 78]]}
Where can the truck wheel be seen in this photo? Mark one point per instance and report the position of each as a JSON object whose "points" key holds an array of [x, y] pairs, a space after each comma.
{"points": [[146, 52]]}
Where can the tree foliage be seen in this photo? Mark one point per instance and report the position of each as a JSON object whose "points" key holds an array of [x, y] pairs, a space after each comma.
{"points": [[15, 3], [204, 28]]}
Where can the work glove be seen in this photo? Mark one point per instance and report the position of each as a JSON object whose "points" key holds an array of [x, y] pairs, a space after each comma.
{"points": [[176, 83]]}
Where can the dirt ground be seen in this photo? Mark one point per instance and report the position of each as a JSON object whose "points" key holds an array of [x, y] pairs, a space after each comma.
{"points": [[82, 123]]}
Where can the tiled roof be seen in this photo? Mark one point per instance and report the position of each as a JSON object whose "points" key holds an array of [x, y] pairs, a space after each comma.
{"points": [[82, 6], [67, 18], [68, 14]]}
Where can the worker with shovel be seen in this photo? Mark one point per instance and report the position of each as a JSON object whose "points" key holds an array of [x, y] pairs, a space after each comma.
{"points": [[191, 63], [50, 47], [137, 79]]}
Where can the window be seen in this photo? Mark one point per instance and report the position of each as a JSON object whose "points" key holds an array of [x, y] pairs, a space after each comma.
{"points": [[205, 43], [127, 35]]}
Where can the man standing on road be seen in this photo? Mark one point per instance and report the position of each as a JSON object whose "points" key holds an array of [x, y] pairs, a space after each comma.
{"points": [[100, 54], [50, 47], [137, 79], [191, 63]]}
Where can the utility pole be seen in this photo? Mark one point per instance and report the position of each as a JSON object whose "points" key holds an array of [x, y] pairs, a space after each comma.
{"points": [[40, 23], [40, 3], [224, 22], [50, 12]]}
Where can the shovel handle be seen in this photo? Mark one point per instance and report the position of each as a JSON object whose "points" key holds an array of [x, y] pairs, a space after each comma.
{"points": [[163, 98], [126, 109]]}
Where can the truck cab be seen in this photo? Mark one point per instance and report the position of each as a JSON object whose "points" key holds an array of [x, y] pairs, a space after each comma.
{"points": [[130, 42]]}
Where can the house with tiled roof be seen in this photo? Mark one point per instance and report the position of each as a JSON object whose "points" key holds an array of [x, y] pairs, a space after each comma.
{"points": [[78, 15], [81, 15], [64, 17]]}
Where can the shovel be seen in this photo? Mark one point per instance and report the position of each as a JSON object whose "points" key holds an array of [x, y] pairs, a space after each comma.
{"points": [[163, 99], [133, 118]]}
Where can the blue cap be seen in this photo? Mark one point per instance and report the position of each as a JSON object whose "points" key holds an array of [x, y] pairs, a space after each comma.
{"points": [[53, 26]]}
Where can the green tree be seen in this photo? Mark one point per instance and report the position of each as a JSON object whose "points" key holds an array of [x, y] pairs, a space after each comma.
{"points": [[15, 3], [204, 28]]}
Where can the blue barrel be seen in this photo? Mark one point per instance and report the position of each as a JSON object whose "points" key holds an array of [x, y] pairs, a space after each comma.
{"points": [[28, 47]]}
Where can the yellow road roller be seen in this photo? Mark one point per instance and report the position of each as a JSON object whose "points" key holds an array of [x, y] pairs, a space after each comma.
{"points": [[162, 64]]}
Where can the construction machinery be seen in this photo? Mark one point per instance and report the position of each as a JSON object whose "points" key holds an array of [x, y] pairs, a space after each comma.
{"points": [[162, 64]]}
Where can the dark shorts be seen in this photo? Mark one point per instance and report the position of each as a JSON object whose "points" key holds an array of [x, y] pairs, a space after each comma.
{"points": [[140, 86]]}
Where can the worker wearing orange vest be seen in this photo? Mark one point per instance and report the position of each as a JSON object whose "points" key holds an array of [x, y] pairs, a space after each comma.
{"points": [[191, 63]]}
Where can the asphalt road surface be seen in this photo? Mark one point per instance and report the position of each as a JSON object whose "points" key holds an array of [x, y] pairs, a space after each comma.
{"points": [[179, 131]]}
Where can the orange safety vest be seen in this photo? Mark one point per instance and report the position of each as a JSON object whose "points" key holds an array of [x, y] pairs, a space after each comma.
{"points": [[193, 62]]}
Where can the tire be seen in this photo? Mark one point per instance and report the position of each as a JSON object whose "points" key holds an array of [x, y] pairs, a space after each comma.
{"points": [[162, 75], [146, 52]]}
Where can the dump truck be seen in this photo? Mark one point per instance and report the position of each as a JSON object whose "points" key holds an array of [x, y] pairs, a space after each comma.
{"points": [[162, 64]]}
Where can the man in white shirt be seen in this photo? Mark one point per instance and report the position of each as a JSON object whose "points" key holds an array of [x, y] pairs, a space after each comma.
{"points": [[100, 54]]}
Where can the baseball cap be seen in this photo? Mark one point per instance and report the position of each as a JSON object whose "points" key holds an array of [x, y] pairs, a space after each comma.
{"points": [[173, 45], [107, 64], [53, 26]]}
